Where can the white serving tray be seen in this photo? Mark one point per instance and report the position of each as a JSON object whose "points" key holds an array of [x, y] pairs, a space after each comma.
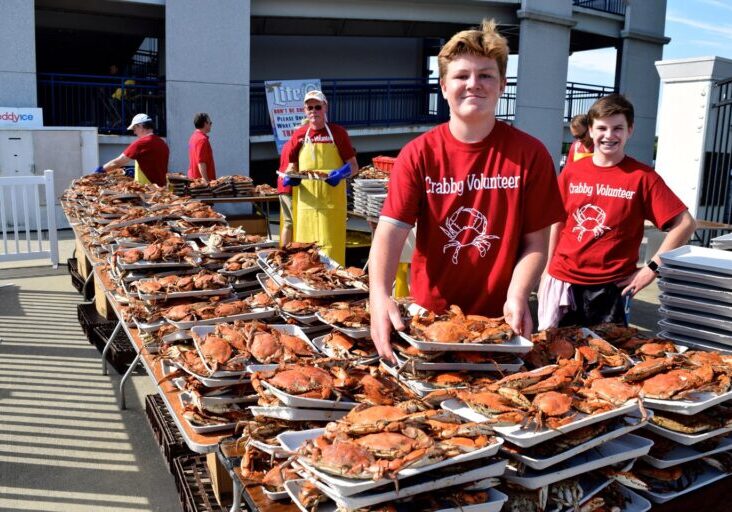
{"points": [[705, 333], [680, 454], [705, 319], [239, 273], [254, 314], [310, 319], [716, 279], [528, 436], [275, 496], [624, 448], [293, 488], [274, 450], [210, 381], [621, 430], [695, 292], [291, 441], [353, 332], [636, 502], [185, 399], [695, 403], [322, 347], [495, 502], [709, 476], [698, 305], [696, 343], [149, 327], [478, 367], [686, 439], [294, 414], [422, 388], [699, 258], [178, 295], [516, 344], [204, 330], [307, 403], [194, 220]]}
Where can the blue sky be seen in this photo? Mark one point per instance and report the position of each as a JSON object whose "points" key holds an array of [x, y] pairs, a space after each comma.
{"points": [[697, 28]]}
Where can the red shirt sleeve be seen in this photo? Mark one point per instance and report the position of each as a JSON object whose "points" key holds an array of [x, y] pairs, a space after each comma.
{"points": [[544, 205], [294, 145], [661, 204], [343, 142], [133, 150], [570, 153], [406, 188]]}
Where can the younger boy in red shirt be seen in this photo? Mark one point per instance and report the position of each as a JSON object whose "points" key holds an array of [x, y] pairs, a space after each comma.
{"points": [[606, 199]]}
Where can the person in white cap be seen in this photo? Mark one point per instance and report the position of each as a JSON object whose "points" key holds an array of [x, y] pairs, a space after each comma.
{"points": [[319, 206], [149, 152]]}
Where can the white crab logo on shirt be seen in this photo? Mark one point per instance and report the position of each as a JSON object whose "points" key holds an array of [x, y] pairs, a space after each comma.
{"points": [[475, 224], [590, 218]]}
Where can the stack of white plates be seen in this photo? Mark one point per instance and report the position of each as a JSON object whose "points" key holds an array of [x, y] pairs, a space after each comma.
{"points": [[365, 192], [696, 299], [723, 242]]}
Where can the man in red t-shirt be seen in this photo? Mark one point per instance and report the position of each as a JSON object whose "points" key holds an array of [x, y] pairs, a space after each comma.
{"points": [[149, 151], [606, 198], [482, 194], [200, 155]]}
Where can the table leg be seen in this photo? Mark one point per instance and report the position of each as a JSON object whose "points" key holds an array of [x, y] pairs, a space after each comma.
{"points": [[86, 284], [109, 344], [269, 231], [236, 495], [122, 404]]}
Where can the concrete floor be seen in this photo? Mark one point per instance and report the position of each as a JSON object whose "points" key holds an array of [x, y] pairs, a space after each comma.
{"points": [[64, 444]]}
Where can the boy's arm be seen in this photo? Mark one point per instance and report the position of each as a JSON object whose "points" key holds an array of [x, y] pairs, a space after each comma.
{"points": [[383, 260], [681, 228], [526, 273]]}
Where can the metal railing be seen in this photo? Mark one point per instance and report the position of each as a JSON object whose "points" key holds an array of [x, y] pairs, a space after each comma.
{"points": [[393, 102], [611, 6], [108, 102], [715, 201], [20, 211]]}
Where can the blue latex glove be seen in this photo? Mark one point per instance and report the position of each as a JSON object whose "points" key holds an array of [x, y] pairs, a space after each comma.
{"points": [[335, 177], [99, 169], [291, 182], [130, 172]]}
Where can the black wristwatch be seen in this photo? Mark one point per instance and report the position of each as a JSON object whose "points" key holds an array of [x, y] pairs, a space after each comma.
{"points": [[653, 266]]}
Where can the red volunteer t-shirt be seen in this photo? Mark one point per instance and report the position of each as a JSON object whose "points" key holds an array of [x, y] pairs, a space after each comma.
{"points": [[200, 152], [605, 210], [342, 142], [284, 162], [472, 204], [151, 153]]}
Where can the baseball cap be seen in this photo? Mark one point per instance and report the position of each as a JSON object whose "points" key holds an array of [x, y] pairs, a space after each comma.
{"points": [[315, 95], [139, 119]]}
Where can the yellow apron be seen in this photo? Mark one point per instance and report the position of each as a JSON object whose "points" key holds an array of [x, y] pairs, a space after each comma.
{"points": [[140, 176], [319, 210]]}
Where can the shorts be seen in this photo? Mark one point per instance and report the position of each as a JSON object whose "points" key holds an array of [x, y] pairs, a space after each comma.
{"points": [[286, 210], [595, 304]]}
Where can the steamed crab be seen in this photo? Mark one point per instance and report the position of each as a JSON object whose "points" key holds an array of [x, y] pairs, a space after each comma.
{"points": [[456, 327]]}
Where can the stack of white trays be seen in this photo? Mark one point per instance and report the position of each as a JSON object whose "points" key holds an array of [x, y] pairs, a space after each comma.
{"points": [[696, 297], [723, 242], [368, 196]]}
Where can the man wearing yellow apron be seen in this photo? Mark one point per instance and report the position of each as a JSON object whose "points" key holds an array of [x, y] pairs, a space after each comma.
{"points": [[149, 152], [319, 206]]}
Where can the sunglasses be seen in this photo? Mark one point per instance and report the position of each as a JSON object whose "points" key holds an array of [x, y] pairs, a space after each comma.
{"points": [[314, 107]]}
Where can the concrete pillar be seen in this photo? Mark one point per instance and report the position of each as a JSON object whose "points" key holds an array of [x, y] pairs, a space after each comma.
{"points": [[686, 122], [542, 70], [207, 70], [18, 54], [642, 45]]}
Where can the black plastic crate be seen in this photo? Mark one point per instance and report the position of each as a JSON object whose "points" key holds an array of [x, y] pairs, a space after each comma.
{"points": [[193, 481], [120, 353], [164, 429], [89, 319], [76, 280]]}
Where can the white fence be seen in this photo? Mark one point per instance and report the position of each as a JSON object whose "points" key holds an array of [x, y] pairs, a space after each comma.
{"points": [[20, 214]]}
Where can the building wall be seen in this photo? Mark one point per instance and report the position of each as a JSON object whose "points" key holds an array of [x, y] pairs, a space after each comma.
{"points": [[207, 70], [335, 57], [17, 54]]}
